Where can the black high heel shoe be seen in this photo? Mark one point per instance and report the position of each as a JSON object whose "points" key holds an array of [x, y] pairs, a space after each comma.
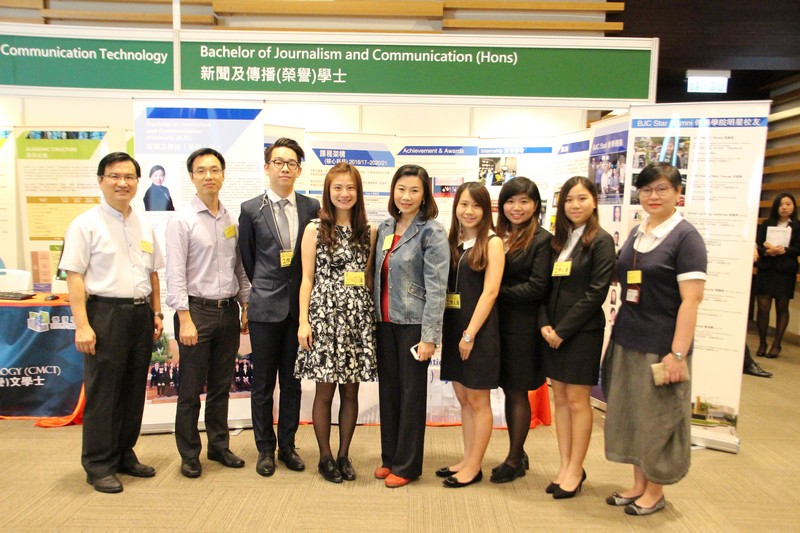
{"points": [[561, 494], [551, 488]]}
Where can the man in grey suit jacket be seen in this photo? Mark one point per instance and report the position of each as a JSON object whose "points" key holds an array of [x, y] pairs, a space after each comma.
{"points": [[270, 230]]}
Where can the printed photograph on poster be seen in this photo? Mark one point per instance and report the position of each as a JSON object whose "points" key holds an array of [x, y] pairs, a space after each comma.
{"points": [[673, 150], [495, 171], [163, 376], [157, 196], [608, 172]]}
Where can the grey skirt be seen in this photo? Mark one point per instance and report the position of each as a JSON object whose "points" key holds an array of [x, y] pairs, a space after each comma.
{"points": [[646, 426]]}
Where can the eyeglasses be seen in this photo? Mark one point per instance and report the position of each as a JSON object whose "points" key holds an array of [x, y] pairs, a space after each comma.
{"points": [[200, 172], [279, 164], [127, 178], [660, 191]]}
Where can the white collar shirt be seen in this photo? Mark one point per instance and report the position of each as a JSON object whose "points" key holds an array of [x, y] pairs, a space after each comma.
{"points": [[203, 257], [116, 255]]}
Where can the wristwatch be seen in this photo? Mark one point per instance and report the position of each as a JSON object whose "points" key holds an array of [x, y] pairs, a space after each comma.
{"points": [[159, 315], [678, 355], [467, 337]]}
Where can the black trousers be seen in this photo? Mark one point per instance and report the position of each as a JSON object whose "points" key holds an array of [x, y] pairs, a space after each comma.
{"points": [[115, 381], [403, 395], [274, 354], [211, 361]]}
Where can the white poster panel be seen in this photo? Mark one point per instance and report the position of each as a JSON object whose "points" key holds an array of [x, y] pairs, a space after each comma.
{"points": [[9, 238], [165, 134], [57, 169], [501, 160], [719, 149], [371, 154]]}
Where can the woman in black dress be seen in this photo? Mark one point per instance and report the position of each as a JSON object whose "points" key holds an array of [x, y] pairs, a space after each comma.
{"points": [[777, 272], [471, 336], [572, 324], [526, 281]]}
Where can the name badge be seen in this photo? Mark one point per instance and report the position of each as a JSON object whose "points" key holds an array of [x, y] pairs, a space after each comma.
{"points": [[354, 279], [147, 247], [453, 300], [387, 242], [230, 232], [562, 268], [632, 294], [634, 277], [286, 258]]}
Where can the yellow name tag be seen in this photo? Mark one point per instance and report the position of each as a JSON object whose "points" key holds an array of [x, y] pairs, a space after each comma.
{"points": [[453, 301], [230, 231], [387, 242], [634, 277], [562, 268], [354, 279], [147, 247], [286, 258]]}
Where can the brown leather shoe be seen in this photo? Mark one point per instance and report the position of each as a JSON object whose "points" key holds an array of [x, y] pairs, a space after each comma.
{"points": [[108, 484]]}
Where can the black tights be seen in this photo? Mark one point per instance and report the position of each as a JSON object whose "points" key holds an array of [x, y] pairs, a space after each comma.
{"points": [[518, 418], [348, 415], [762, 319]]}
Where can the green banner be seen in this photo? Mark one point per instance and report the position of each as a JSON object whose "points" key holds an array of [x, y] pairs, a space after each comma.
{"points": [[51, 145], [578, 73], [86, 63]]}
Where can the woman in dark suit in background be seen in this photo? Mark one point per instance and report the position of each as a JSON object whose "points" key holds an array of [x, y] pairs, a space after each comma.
{"points": [[777, 272], [526, 281], [573, 322]]}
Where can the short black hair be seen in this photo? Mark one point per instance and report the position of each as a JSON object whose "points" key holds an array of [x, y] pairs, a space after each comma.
{"points": [[203, 151], [117, 157], [285, 142], [653, 171]]}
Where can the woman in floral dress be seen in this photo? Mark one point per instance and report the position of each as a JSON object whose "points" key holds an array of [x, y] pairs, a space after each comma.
{"points": [[337, 324]]}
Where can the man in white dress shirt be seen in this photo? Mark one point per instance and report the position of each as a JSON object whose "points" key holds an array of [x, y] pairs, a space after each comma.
{"points": [[111, 258]]}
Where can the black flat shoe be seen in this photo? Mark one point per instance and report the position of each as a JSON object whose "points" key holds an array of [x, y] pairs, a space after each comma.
{"points": [[453, 483], [506, 473], [551, 488], [330, 471], [445, 472], [525, 463], [346, 468], [760, 354]]}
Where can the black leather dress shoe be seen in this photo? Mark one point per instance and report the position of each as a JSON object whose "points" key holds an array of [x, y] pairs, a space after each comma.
{"points": [[507, 473], [137, 470], [754, 369], [191, 467], [109, 484], [265, 465], [346, 468], [291, 459], [330, 471], [453, 483], [226, 457]]}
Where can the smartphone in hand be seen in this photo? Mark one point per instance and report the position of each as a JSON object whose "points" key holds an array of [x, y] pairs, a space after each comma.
{"points": [[414, 351]]}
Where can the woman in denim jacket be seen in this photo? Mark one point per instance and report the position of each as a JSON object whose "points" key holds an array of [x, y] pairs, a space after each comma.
{"points": [[411, 266]]}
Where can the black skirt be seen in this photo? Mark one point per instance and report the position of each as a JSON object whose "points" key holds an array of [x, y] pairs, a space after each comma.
{"points": [[577, 360], [775, 284]]}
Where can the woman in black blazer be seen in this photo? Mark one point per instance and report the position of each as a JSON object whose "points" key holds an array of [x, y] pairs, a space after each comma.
{"points": [[777, 272], [572, 324], [526, 282]]}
